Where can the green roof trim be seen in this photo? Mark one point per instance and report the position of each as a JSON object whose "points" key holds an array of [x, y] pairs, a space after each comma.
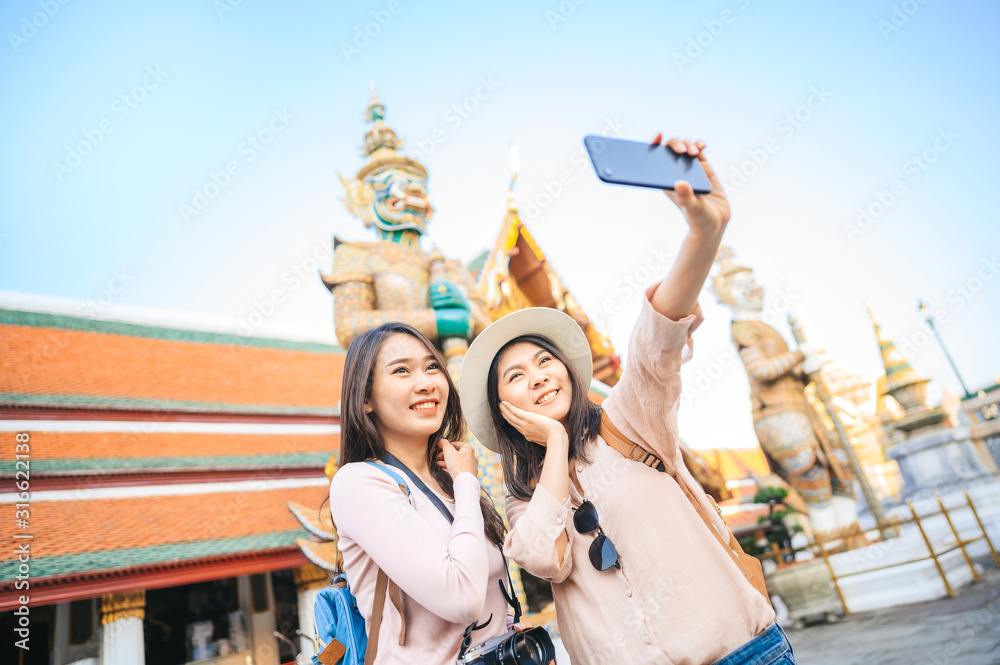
{"points": [[476, 265], [15, 317], [600, 388], [112, 464], [83, 562], [141, 404]]}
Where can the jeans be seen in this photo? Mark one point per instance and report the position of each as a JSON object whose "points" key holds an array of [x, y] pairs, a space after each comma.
{"points": [[769, 648]]}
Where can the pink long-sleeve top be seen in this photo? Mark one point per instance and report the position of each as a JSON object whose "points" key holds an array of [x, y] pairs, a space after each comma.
{"points": [[679, 598], [448, 573]]}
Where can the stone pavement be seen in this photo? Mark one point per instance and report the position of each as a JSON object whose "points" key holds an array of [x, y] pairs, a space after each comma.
{"points": [[964, 630]]}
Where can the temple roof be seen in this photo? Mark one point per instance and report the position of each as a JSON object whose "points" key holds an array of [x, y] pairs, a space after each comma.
{"points": [[53, 360], [106, 453], [734, 462], [516, 274], [160, 455], [78, 536]]}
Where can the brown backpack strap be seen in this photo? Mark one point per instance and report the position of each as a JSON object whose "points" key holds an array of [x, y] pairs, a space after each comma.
{"points": [[384, 586], [749, 566], [621, 443], [381, 587], [397, 602]]}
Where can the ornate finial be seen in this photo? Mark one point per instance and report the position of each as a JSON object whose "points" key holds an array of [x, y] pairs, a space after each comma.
{"points": [[382, 144], [906, 386], [376, 109], [390, 190], [898, 371], [721, 282], [515, 166]]}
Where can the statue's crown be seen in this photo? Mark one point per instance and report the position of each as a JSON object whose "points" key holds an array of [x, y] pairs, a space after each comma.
{"points": [[722, 280], [382, 144]]}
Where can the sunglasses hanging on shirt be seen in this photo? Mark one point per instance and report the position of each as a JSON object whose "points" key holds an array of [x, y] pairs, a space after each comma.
{"points": [[603, 554]]}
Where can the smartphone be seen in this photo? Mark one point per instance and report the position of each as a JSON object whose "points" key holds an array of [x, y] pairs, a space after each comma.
{"points": [[639, 164]]}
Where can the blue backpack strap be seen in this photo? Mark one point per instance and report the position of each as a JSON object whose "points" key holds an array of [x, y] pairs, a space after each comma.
{"points": [[383, 587], [394, 475], [391, 459]]}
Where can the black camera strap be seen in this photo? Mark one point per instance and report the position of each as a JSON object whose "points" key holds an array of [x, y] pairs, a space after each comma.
{"points": [[509, 596], [392, 460]]}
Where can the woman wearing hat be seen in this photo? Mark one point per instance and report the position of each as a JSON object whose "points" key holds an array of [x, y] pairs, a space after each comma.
{"points": [[636, 556]]}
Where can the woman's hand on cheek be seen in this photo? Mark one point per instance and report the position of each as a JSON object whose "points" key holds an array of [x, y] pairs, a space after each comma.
{"points": [[533, 426]]}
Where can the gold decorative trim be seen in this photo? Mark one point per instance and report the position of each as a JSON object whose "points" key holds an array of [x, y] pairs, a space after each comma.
{"points": [[118, 606], [309, 577]]}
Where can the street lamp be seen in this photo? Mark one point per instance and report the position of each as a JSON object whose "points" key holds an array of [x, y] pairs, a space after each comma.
{"points": [[929, 317]]}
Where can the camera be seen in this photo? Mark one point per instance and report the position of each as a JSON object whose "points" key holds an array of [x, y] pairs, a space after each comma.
{"points": [[531, 647]]}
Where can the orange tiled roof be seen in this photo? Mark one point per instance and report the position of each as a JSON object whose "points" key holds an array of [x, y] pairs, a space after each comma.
{"points": [[107, 453], [728, 461], [743, 493], [87, 445], [108, 525], [745, 517], [61, 360]]}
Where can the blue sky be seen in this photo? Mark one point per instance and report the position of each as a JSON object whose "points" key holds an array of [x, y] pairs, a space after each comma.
{"points": [[823, 108]]}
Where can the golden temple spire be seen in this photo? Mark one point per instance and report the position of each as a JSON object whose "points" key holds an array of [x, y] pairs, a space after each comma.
{"points": [[382, 144], [898, 371], [515, 166], [376, 109], [906, 386]]}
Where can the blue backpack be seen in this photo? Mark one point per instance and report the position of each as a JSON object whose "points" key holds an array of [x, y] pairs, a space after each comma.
{"points": [[340, 628]]}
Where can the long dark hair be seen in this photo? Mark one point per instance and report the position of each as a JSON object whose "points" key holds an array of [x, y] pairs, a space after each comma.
{"points": [[360, 436], [522, 459]]}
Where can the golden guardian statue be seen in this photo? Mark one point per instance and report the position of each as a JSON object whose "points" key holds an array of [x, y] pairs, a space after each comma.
{"points": [[393, 278], [797, 444]]}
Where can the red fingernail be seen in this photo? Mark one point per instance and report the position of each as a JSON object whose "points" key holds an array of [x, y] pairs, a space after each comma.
{"points": [[659, 137]]}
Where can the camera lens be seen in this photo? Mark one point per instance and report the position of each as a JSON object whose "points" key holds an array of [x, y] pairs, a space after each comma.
{"points": [[532, 647], [530, 651]]}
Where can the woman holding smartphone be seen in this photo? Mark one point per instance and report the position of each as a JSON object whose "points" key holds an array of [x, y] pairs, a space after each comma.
{"points": [[400, 408], [637, 573]]}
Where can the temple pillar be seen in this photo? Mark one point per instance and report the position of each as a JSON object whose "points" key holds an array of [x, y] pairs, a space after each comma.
{"points": [[309, 581], [122, 615]]}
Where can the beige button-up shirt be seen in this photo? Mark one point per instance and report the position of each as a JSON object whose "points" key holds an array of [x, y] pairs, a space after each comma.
{"points": [[679, 598]]}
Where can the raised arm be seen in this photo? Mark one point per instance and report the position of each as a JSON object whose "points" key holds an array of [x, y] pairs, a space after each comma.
{"points": [[707, 216], [644, 402]]}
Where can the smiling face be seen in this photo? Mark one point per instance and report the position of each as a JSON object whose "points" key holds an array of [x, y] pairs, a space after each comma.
{"points": [[409, 390], [533, 379]]}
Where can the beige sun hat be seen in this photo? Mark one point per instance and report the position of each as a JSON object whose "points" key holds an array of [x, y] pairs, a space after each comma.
{"points": [[564, 332]]}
